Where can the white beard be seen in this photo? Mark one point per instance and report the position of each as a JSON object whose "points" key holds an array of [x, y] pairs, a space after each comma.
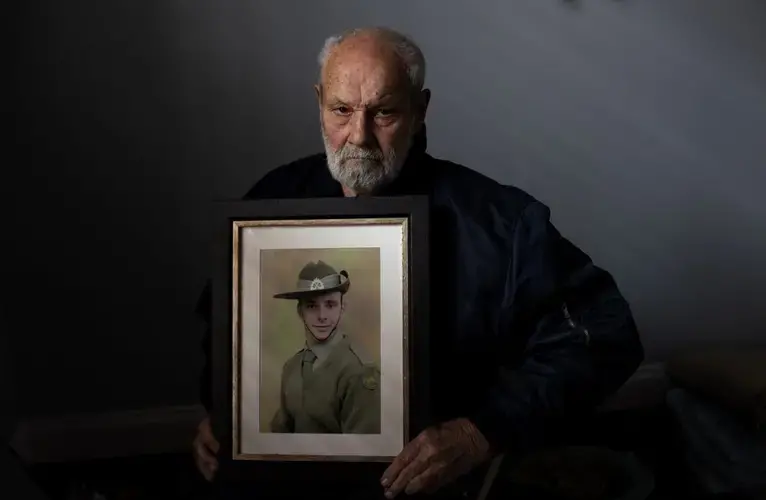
{"points": [[363, 170]]}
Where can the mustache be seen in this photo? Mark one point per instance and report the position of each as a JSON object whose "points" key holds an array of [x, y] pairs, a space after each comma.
{"points": [[356, 153]]}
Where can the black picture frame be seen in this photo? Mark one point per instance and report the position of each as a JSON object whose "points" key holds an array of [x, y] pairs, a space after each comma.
{"points": [[228, 217]]}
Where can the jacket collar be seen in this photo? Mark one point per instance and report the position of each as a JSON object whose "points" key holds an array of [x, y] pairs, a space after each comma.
{"points": [[322, 350]]}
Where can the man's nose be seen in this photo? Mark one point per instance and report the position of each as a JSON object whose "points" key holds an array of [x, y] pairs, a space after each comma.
{"points": [[360, 133], [321, 313]]}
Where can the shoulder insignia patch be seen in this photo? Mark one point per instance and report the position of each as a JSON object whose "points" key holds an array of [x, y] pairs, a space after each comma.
{"points": [[370, 377], [370, 381]]}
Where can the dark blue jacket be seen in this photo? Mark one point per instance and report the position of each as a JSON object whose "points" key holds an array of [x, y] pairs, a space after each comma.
{"points": [[525, 330]]}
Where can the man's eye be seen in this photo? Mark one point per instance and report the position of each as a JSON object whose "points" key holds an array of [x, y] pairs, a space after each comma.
{"points": [[385, 112], [342, 110]]}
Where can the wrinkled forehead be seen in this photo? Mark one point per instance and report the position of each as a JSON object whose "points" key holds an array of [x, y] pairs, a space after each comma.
{"points": [[364, 65]]}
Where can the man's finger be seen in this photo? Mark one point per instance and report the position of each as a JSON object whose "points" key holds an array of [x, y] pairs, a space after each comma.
{"points": [[212, 444], [416, 467], [205, 458], [207, 474], [203, 468], [211, 462], [400, 462], [425, 482], [202, 451]]}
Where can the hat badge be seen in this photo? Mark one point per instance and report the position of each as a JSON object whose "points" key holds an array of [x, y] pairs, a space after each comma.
{"points": [[316, 284]]}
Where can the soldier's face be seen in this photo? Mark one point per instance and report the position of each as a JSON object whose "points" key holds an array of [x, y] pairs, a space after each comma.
{"points": [[321, 314]]}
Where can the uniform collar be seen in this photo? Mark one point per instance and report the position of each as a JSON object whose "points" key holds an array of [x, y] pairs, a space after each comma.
{"points": [[322, 350]]}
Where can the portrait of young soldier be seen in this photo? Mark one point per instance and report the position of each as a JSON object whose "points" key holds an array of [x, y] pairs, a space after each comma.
{"points": [[326, 387]]}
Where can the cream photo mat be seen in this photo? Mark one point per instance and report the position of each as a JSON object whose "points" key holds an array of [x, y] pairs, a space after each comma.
{"points": [[389, 238]]}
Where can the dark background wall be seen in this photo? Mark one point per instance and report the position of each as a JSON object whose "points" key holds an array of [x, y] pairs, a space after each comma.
{"points": [[641, 123]]}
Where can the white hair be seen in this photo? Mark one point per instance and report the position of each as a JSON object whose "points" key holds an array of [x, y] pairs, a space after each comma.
{"points": [[407, 50]]}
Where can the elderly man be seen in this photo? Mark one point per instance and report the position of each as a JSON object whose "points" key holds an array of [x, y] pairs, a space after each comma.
{"points": [[327, 387], [530, 332]]}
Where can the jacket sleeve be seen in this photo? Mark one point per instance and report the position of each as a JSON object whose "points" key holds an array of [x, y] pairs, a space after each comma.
{"points": [[360, 409], [282, 422], [581, 342]]}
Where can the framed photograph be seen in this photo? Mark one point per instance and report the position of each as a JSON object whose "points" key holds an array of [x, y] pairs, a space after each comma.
{"points": [[320, 328]]}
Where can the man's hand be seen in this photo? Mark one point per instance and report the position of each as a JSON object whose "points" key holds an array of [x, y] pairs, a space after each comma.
{"points": [[436, 457], [205, 449]]}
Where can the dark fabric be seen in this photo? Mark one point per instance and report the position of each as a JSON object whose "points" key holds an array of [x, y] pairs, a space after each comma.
{"points": [[526, 330], [8, 407], [298, 491], [16, 482], [269, 490], [277, 492]]}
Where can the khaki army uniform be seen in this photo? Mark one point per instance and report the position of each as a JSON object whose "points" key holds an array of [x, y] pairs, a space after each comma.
{"points": [[328, 389]]}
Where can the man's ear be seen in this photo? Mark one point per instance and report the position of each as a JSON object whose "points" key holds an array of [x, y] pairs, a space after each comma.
{"points": [[318, 92]]}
